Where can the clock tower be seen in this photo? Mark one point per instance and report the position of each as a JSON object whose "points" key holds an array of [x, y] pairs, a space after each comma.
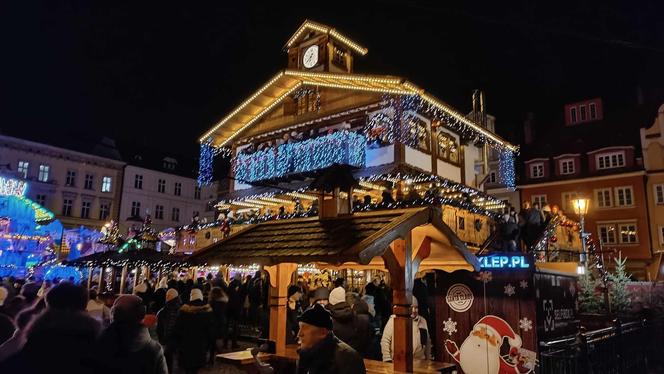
{"points": [[317, 47]]}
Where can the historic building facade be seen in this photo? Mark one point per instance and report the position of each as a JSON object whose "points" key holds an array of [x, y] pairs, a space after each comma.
{"points": [[81, 189]]}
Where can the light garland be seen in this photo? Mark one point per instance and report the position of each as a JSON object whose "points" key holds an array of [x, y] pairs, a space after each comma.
{"points": [[326, 30], [342, 147], [506, 169], [205, 163]]}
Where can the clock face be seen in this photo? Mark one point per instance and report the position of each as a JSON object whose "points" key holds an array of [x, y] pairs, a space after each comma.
{"points": [[310, 58]]}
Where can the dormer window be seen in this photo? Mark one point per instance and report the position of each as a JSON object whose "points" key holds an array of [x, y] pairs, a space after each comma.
{"points": [[566, 166], [537, 170], [610, 160]]}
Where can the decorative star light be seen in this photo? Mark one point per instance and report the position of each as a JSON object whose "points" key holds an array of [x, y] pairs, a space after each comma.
{"points": [[510, 290], [449, 326], [486, 276], [523, 284], [525, 324]]}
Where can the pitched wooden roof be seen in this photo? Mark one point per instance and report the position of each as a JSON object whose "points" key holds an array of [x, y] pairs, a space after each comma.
{"points": [[308, 25], [357, 238], [288, 81]]}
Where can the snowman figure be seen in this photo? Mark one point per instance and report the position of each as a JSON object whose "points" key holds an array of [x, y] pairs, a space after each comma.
{"points": [[480, 352]]}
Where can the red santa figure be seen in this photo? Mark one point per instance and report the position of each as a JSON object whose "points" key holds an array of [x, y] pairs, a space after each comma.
{"points": [[480, 352]]}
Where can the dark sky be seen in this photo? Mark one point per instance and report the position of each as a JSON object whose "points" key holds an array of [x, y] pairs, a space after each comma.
{"points": [[161, 73]]}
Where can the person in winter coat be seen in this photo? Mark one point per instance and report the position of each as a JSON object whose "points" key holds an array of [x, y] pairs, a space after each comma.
{"points": [[218, 301], [194, 330], [364, 332], [320, 350], [166, 319], [236, 296], [125, 346], [57, 340], [159, 296], [292, 312], [343, 319], [421, 337], [97, 309]]}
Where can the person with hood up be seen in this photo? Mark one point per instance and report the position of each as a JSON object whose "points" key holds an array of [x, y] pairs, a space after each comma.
{"points": [[166, 319], [343, 319], [193, 332], [320, 350], [292, 312], [58, 339], [364, 332], [421, 337], [125, 346]]}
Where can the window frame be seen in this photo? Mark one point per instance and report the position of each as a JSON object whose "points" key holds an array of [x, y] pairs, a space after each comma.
{"points": [[86, 208], [538, 199], [608, 226], [159, 211], [592, 111], [573, 115], [583, 114], [620, 155], [617, 196], [534, 166], [91, 179], [71, 174], [135, 206], [603, 191], [620, 226], [104, 208], [23, 167], [138, 181], [566, 199], [67, 205], [161, 185], [656, 194], [175, 214], [567, 161], [40, 199], [197, 192], [177, 189], [44, 171], [106, 187]]}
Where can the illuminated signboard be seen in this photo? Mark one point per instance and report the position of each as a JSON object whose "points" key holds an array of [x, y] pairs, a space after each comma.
{"points": [[12, 187], [504, 261]]}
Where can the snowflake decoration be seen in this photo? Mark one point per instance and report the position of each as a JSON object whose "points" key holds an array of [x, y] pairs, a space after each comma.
{"points": [[525, 324], [486, 276], [523, 284], [450, 326], [510, 290]]}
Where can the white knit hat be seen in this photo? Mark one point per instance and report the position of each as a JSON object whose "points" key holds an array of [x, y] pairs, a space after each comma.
{"points": [[195, 294], [337, 296]]}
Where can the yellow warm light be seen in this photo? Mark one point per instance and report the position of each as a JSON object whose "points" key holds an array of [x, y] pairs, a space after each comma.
{"points": [[327, 30], [302, 196], [580, 206], [371, 186], [242, 203], [259, 202], [276, 200]]}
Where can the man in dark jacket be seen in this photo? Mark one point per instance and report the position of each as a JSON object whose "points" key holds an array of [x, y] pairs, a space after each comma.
{"points": [[236, 294], [320, 351], [364, 332], [343, 318], [194, 330], [58, 339], [125, 346], [166, 319]]}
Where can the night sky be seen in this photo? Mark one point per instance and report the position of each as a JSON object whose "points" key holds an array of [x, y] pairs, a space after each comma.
{"points": [[159, 74]]}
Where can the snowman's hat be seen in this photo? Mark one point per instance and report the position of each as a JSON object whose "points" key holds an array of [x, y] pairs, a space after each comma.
{"points": [[500, 328]]}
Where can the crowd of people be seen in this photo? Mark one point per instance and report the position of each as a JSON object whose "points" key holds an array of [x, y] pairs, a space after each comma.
{"points": [[175, 325], [520, 232]]}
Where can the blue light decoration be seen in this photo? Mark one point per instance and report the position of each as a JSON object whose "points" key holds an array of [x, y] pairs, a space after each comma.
{"points": [[205, 163], [63, 273], [343, 147], [505, 261], [506, 168]]}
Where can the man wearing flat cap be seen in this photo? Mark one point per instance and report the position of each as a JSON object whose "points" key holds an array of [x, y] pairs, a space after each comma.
{"points": [[322, 352]]}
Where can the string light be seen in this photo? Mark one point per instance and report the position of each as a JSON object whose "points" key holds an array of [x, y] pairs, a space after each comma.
{"points": [[506, 169], [326, 30], [205, 163], [342, 147]]}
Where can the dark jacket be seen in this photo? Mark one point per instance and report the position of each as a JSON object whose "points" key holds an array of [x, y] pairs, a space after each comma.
{"points": [[236, 294], [128, 349], [292, 325], [158, 300], [343, 322], [166, 319], [364, 332], [330, 356], [193, 334], [57, 342], [219, 317]]}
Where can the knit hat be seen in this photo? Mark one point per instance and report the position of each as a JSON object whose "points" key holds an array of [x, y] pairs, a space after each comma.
{"points": [[317, 316], [414, 302], [171, 294], [292, 290], [321, 293], [337, 296], [195, 294]]}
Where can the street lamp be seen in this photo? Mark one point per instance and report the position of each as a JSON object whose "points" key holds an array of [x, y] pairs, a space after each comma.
{"points": [[580, 206]]}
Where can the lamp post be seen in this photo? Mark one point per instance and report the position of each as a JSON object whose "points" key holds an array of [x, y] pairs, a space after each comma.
{"points": [[580, 206]]}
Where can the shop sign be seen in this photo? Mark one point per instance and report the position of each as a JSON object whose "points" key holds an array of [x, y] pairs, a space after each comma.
{"points": [[459, 297], [504, 262]]}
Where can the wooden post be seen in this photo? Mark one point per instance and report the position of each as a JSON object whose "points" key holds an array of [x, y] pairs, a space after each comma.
{"points": [[280, 276], [398, 261], [89, 278], [101, 279], [123, 279], [138, 273]]}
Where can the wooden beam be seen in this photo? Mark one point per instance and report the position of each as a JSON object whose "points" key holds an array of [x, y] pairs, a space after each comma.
{"points": [[398, 261], [280, 277], [123, 279]]}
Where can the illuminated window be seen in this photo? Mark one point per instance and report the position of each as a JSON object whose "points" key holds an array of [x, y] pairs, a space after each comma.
{"points": [[568, 198], [628, 233], [106, 183], [448, 149], [23, 168], [43, 172], [419, 134], [607, 234]]}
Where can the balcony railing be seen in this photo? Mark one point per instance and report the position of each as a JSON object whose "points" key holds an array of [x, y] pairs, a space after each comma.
{"points": [[343, 147]]}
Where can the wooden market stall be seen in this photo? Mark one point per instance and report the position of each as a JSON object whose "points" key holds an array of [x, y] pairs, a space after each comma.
{"points": [[400, 241]]}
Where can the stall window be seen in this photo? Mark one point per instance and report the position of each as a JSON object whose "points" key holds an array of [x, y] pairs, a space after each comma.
{"points": [[448, 149], [418, 134]]}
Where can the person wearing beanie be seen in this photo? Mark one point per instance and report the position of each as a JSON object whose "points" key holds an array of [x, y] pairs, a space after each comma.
{"points": [[194, 332], [343, 319], [166, 318], [58, 339], [421, 336], [292, 312], [126, 346], [320, 350]]}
